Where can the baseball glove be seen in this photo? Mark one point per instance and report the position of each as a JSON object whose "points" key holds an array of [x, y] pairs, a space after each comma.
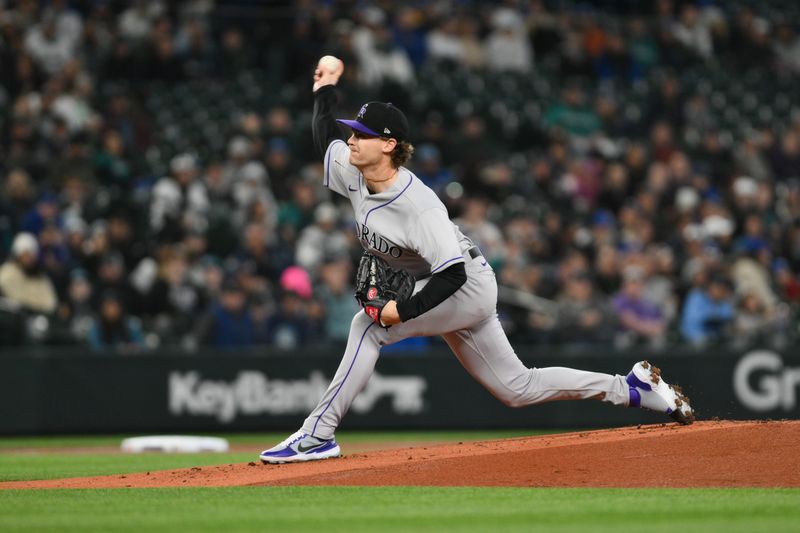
{"points": [[377, 283]]}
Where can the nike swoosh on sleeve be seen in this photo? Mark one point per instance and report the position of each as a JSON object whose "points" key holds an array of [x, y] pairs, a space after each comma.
{"points": [[349, 188]]}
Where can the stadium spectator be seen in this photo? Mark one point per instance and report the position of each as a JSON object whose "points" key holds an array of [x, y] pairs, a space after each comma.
{"points": [[708, 312], [16, 198], [508, 45], [639, 319], [297, 317], [444, 43], [409, 33], [750, 271], [322, 240], [278, 160], [336, 296], [787, 283], [76, 311], [146, 130], [291, 325], [111, 164], [50, 44], [572, 115], [228, 324], [785, 158], [44, 213], [252, 198], [54, 256], [240, 151], [380, 59], [113, 329], [174, 300], [22, 279], [474, 222], [787, 50], [124, 115], [757, 322], [693, 32], [583, 316], [136, 21], [179, 201], [428, 167], [111, 277]]}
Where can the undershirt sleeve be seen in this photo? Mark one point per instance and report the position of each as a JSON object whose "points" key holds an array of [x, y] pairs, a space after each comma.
{"points": [[328, 141], [442, 285], [324, 128]]}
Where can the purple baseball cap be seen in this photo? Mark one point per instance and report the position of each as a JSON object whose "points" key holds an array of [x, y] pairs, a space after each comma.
{"points": [[380, 120]]}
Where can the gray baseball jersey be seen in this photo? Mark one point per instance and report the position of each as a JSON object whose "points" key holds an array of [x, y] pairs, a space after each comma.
{"points": [[409, 227]]}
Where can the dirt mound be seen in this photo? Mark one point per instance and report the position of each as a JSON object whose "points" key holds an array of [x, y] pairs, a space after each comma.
{"points": [[706, 454]]}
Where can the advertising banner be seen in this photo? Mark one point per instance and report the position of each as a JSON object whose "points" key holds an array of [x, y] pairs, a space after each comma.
{"points": [[163, 393]]}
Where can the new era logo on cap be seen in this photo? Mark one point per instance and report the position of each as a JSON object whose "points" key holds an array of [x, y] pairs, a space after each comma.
{"points": [[374, 117]]}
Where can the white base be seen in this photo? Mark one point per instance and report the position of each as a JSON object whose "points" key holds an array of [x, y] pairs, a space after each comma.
{"points": [[175, 444]]}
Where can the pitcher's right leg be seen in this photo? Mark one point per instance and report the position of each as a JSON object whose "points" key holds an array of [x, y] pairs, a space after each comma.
{"points": [[486, 354]]}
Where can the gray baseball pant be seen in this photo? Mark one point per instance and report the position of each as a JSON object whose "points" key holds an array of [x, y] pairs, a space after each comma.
{"points": [[468, 323]]}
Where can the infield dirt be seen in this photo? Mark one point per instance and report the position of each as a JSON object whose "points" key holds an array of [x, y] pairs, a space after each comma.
{"points": [[705, 454]]}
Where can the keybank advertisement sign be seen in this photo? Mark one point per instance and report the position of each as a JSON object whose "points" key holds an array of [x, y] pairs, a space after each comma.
{"points": [[253, 393], [167, 393], [761, 380], [763, 383]]}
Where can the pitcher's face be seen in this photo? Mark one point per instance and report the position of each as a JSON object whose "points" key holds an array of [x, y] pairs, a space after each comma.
{"points": [[367, 150]]}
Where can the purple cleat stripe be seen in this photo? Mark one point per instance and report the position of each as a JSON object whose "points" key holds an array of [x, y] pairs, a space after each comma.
{"points": [[635, 398], [633, 381], [286, 452]]}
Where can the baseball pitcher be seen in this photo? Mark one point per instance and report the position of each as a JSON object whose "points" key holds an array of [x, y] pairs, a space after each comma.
{"points": [[421, 276]]}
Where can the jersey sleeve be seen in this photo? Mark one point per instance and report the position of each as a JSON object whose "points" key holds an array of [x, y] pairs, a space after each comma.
{"points": [[338, 170], [435, 240]]}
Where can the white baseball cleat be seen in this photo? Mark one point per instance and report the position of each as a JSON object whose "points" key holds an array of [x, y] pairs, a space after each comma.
{"points": [[649, 391], [301, 447]]}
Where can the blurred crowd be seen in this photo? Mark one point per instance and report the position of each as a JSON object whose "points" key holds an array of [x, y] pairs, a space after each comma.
{"points": [[639, 208]]}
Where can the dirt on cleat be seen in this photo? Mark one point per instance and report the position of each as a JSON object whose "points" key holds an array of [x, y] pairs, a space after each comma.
{"points": [[678, 415], [683, 419], [655, 374]]}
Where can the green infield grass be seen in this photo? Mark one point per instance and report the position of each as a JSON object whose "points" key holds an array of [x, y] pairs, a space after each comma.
{"points": [[351, 509], [354, 509], [23, 458], [264, 439]]}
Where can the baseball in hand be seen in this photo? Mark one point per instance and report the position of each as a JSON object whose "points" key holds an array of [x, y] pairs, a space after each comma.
{"points": [[328, 70], [330, 65]]}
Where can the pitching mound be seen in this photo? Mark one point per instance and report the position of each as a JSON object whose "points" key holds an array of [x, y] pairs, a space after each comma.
{"points": [[706, 454]]}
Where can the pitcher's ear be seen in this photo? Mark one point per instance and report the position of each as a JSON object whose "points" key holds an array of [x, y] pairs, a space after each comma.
{"points": [[389, 145]]}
